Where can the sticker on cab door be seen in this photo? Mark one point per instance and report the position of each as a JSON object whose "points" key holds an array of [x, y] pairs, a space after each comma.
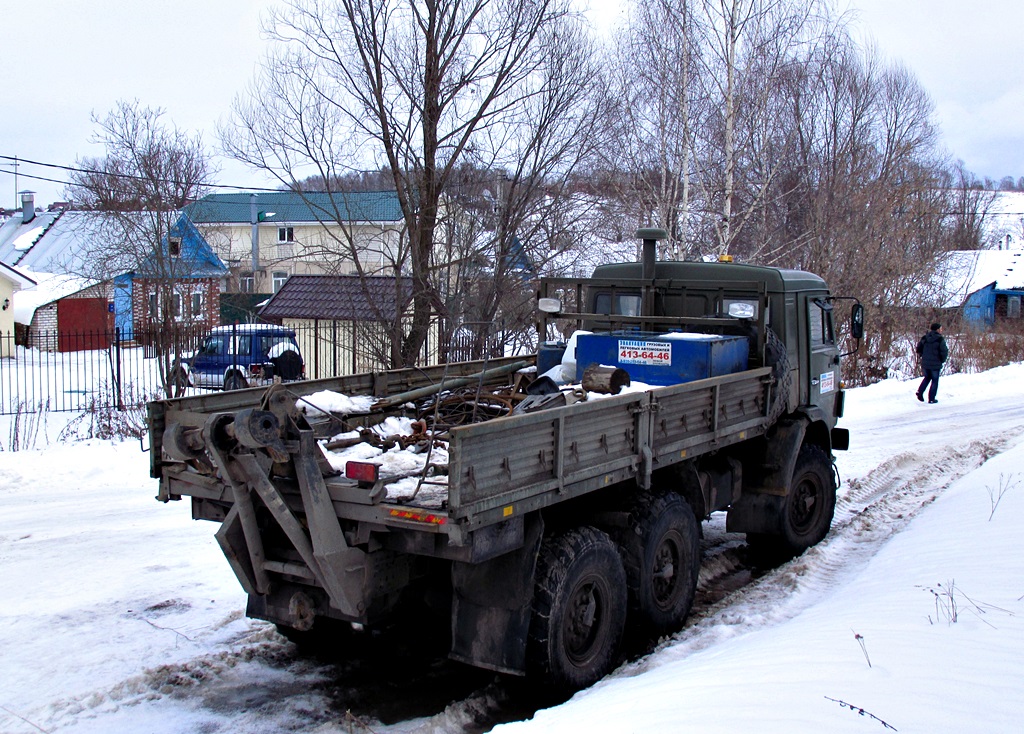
{"points": [[827, 382]]}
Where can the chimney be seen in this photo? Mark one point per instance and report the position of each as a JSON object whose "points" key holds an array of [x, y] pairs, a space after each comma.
{"points": [[28, 206]]}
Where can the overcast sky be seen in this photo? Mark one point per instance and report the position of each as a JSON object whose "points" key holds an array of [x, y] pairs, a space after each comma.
{"points": [[62, 60]]}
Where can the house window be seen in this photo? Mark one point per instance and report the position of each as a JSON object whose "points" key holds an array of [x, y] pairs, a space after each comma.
{"points": [[176, 307], [285, 234], [247, 282], [153, 312], [174, 246], [280, 277], [197, 305]]}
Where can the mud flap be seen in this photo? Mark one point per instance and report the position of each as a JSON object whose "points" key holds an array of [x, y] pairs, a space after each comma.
{"points": [[759, 509], [491, 621]]}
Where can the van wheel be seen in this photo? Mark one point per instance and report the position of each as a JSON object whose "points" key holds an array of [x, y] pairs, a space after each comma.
{"points": [[235, 381], [179, 382], [661, 554], [579, 609]]}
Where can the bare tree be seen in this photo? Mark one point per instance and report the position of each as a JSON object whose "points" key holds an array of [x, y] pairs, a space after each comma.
{"points": [[970, 205], [867, 205], [414, 88], [652, 62], [749, 48], [151, 169]]}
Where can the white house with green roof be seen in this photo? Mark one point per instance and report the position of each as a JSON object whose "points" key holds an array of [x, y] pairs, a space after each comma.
{"points": [[264, 238]]}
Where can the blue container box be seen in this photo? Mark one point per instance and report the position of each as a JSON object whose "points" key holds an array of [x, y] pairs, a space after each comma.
{"points": [[549, 355], [663, 359]]}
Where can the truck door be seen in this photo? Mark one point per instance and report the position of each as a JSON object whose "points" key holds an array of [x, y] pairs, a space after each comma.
{"points": [[823, 369]]}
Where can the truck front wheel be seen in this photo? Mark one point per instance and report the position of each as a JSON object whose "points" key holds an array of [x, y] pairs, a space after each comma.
{"points": [[661, 554], [805, 513], [811, 501], [579, 609]]}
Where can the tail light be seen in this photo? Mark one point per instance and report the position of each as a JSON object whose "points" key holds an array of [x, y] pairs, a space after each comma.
{"points": [[363, 472]]}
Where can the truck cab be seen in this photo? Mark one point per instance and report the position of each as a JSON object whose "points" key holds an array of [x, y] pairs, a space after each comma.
{"points": [[762, 303]]}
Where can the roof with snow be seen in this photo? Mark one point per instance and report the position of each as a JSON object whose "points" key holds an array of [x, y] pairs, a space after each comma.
{"points": [[63, 247], [15, 276], [18, 236], [49, 287], [963, 272], [287, 206]]}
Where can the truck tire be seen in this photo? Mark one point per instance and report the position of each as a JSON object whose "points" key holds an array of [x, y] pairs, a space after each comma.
{"points": [[805, 513], [235, 381], [579, 609], [661, 555], [811, 501], [325, 637]]}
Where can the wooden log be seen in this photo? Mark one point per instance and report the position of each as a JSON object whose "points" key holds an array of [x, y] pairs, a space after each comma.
{"points": [[606, 380]]}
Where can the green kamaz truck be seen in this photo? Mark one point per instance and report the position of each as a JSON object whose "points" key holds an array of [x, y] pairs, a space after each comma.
{"points": [[552, 524]]}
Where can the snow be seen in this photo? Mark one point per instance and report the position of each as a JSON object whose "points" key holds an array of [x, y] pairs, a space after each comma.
{"points": [[25, 240], [962, 272], [49, 287], [327, 401], [120, 614]]}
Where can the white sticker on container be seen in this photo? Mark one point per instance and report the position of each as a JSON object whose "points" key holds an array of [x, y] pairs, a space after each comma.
{"points": [[645, 352]]}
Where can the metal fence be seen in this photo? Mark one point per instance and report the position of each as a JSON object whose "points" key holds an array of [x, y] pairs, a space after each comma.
{"points": [[93, 370]]}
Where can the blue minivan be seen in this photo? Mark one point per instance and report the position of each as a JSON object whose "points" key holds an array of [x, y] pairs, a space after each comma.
{"points": [[242, 355]]}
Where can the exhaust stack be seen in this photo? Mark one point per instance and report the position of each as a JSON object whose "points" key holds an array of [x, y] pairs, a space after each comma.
{"points": [[649, 254]]}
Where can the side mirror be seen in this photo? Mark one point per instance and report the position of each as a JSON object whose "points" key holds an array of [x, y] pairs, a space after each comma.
{"points": [[857, 321]]}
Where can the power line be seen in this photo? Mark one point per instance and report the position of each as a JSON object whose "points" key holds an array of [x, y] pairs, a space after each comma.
{"points": [[133, 177]]}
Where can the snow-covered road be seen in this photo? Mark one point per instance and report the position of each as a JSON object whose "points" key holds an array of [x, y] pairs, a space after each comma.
{"points": [[120, 614]]}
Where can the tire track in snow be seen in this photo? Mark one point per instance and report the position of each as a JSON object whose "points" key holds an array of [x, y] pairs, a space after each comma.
{"points": [[263, 684], [871, 512]]}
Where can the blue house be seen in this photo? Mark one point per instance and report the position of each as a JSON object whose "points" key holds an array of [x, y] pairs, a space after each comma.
{"points": [[59, 250], [985, 285], [181, 281]]}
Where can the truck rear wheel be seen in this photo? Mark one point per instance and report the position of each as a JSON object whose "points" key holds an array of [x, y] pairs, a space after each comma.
{"points": [[661, 554], [579, 609]]}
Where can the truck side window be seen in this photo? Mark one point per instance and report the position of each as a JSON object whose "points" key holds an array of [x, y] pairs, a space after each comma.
{"points": [[819, 318]]}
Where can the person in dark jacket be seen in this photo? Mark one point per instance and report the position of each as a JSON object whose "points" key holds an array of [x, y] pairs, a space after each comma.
{"points": [[932, 350]]}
